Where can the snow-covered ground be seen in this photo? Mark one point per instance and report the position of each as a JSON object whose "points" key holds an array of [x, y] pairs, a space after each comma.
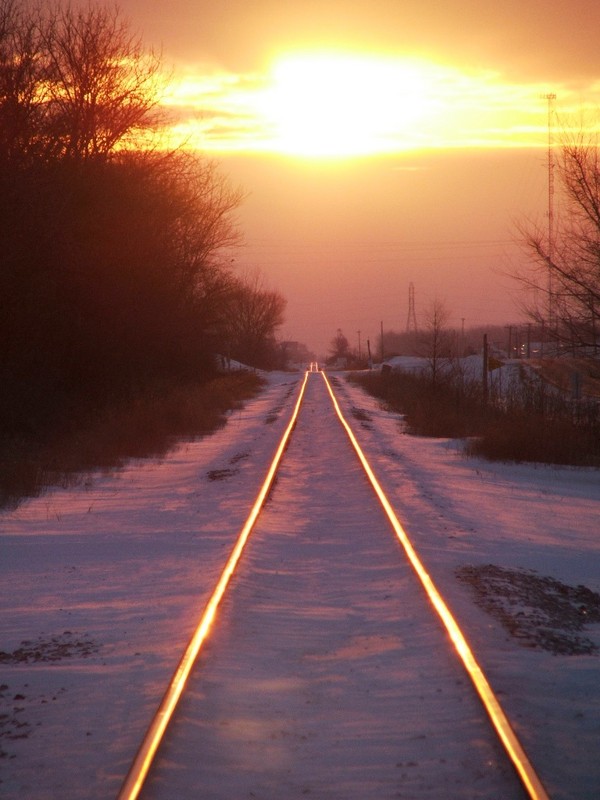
{"points": [[102, 585], [506, 378]]}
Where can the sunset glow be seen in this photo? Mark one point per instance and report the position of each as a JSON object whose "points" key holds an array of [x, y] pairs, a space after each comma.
{"points": [[378, 143], [328, 104]]}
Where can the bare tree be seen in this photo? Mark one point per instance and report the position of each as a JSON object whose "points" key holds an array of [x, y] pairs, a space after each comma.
{"points": [[340, 346], [111, 270], [253, 315], [102, 84], [563, 283], [73, 83], [436, 340], [22, 88]]}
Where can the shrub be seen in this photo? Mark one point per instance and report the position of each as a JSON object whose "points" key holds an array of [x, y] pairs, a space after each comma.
{"points": [[533, 437], [93, 437], [538, 425]]}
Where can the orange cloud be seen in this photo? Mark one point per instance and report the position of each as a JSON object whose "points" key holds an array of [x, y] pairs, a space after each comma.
{"points": [[331, 103]]}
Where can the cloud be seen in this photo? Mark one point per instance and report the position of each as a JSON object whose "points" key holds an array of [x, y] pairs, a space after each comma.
{"points": [[402, 105]]}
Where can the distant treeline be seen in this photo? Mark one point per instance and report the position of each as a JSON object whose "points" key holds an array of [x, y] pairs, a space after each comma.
{"points": [[111, 277], [508, 340]]}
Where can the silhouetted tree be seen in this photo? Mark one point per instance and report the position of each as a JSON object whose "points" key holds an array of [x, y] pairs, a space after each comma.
{"points": [[101, 84], [22, 87], [110, 266], [253, 315], [339, 347], [564, 282], [435, 340], [73, 83]]}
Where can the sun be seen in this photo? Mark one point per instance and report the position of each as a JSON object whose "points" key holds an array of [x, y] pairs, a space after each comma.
{"points": [[332, 104]]}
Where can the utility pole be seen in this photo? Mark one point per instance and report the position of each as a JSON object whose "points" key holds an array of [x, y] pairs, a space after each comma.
{"points": [[484, 376], [509, 348], [382, 341], [359, 352], [411, 320]]}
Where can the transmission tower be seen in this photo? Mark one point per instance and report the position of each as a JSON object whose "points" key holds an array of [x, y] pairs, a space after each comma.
{"points": [[411, 320], [550, 98]]}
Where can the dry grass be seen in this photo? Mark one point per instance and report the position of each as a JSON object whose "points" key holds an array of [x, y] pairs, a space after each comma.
{"points": [[547, 429], [535, 438], [145, 425], [559, 373]]}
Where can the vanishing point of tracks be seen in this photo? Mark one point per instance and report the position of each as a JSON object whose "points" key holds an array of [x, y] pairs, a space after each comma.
{"points": [[271, 587]]}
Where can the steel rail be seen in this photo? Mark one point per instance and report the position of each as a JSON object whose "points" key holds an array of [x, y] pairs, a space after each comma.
{"points": [[512, 745], [142, 762]]}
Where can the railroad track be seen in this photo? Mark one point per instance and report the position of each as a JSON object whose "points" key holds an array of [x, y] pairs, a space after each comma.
{"points": [[295, 518]]}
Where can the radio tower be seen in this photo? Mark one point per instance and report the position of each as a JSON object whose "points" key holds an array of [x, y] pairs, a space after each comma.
{"points": [[411, 320], [550, 98]]}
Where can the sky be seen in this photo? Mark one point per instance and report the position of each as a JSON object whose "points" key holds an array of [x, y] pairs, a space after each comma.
{"points": [[379, 143]]}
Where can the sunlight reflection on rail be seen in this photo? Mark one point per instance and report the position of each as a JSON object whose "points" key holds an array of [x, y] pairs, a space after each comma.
{"points": [[140, 767], [521, 762]]}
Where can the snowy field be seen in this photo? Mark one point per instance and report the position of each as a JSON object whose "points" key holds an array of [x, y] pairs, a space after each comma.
{"points": [[102, 585]]}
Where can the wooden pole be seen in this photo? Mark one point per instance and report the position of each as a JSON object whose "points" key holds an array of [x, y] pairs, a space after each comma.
{"points": [[485, 369]]}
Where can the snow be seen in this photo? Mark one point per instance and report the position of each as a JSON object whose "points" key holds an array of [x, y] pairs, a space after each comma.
{"points": [[110, 578]]}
